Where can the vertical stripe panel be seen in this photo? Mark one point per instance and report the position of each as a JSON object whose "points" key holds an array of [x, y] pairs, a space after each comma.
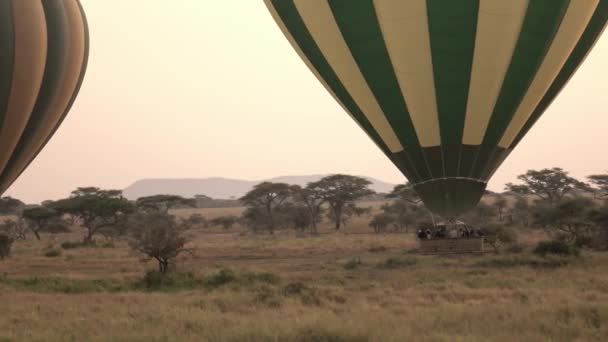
{"points": [[30, 59], [286, 11], [596, 26], [319, 20], [575, 21], [360, 30], [452, 27], [499, 27], [404, 25], [543, 19]]}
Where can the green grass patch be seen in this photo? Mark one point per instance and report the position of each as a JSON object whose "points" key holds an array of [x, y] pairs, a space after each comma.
{"points": [[63, 285], [523, 261]]}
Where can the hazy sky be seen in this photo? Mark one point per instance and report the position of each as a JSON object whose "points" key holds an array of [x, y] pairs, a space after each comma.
{"points": [[199, 88]]}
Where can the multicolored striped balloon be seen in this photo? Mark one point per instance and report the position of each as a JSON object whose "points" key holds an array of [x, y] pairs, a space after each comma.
{"points": [[44, 48], [446, 88]]}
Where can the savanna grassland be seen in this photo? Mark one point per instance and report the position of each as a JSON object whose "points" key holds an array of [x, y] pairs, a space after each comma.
{"points": [[348, 286]]}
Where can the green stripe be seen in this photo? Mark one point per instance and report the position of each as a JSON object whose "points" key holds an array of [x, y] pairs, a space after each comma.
{"points": [[359, 26], [453, 28], [76, 91], [294, 23], [53, 78], [540, 26], [588, 39], [7, 56]]}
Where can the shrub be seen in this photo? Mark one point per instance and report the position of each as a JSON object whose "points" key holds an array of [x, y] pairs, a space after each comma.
{"points": [[377, 249], [262, 277], [353, 264], [156, 280], [308, 296], [53, 253], [557, 248], [515, 248], [223, 277], [395, 262], [523, 262], [71, 245]]}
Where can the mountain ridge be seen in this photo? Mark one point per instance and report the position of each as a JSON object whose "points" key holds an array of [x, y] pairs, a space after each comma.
{"points": [[221, 187]]}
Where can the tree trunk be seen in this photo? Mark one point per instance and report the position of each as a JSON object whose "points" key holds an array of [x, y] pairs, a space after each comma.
{"points": [[338, 215], [88, 239], [163, 265], [37, 234]]}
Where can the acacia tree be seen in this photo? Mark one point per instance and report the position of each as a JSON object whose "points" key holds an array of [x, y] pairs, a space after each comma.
{"points": [[265, 198], [547, 184], [339, 191], [164, 203], [600, 183], [10, 206], [96, 209], [500, 203], [570, 218], [312, 198], [520, 212], [39, 219], [15, 228], [405, 192], [158, 236]]}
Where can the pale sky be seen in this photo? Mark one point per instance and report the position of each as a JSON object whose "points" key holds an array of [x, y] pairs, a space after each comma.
{"points": [[200, 88]]}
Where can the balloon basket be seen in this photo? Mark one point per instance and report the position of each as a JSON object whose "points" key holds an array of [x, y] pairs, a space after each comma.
{"points": [[451, 246]]}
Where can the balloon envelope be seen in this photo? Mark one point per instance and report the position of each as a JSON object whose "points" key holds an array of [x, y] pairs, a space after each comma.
{"points": [[445, 88], [43, 55]]}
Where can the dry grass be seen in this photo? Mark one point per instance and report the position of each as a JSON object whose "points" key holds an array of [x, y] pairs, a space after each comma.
{"points": [[459, 298]]}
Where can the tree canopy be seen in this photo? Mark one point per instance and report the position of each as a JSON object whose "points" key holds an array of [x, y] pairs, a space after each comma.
{"points": [[547, 184]]}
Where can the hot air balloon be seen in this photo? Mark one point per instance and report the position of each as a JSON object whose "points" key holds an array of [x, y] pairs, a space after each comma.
{"points": [[445, 88], [44, 48]]}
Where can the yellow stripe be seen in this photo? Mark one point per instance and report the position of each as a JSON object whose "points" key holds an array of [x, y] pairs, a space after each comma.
{"points": [[405, 28], [28, 71], [498, 30], [319, 20], [74, 60], [575, 21]]}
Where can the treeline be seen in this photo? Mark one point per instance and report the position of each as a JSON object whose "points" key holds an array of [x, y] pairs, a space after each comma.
{"points": [[571, 211]]}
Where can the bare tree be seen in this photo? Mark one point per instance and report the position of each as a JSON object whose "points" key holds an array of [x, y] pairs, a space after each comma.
{"points": [[158, 236]]}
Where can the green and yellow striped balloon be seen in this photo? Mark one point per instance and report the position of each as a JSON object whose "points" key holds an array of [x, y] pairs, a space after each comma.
{"points": [[44, 48], [446, 88]]}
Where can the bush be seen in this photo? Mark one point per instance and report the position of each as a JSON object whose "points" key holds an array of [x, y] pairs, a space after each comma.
{"points": [[523, 262], [71, 245], [53, 253], [556, 247], [156, 280], [377, 249], [262, 277], [353, 264], [223, 277], [307, 295], [515, 248], [395, 262]]}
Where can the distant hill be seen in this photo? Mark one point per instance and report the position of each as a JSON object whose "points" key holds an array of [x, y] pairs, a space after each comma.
{"points": [[221, 188]]}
